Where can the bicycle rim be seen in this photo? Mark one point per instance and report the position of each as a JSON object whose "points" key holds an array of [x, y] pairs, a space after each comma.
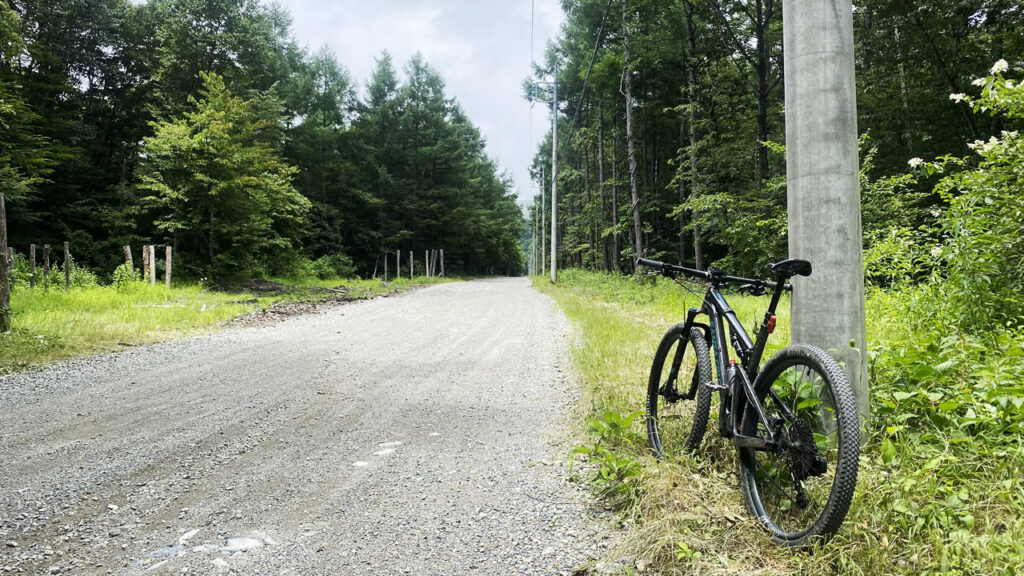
{"points": [[802, 490]]}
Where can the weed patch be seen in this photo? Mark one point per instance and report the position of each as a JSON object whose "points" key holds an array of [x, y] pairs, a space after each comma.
{"points": [[940, 489]]}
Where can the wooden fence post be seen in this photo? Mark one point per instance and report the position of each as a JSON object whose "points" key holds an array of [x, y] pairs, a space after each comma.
{"points": [[67, 266], [167, 265], [46, 267], [152, 264], [426, 263], [442, 262], [32, 266], [412, 264], [147, 264], [385, 266], [128, 256], [5, 287], [398, 264]]}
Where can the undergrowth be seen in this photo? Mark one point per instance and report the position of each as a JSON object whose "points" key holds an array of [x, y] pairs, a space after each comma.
{"points": [[939, 490]]}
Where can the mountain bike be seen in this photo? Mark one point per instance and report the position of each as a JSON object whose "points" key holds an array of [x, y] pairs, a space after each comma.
{"points": [[792, 420]]}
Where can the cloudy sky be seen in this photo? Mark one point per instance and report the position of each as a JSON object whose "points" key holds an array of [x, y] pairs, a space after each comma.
{"points": [[480, 47]]}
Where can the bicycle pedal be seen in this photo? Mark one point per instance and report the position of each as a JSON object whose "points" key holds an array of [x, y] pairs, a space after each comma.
{"points": [[710, 384]]}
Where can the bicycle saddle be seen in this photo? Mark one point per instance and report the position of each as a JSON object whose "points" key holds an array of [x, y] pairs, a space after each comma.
{"points": [[789, 268]]}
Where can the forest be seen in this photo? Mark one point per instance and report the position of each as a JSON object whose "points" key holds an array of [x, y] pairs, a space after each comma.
{"points": [[691, 94], [671, 145], [203, 125]]}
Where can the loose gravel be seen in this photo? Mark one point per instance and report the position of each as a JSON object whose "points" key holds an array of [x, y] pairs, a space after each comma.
{"points": [[418, 434]]}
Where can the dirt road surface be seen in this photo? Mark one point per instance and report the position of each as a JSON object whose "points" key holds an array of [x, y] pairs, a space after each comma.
{"points": [[417, 434]]}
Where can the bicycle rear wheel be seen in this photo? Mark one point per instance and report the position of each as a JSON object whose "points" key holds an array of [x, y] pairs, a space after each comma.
{"points": [[801, 491], [673, 423]]}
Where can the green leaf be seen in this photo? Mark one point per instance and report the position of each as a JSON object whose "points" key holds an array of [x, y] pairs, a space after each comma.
{"points": [[888, 451]]}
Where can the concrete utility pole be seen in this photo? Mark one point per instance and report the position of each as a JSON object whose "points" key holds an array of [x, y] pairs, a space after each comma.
{"points": [[543, 221], [554, 181], [822, 183]]}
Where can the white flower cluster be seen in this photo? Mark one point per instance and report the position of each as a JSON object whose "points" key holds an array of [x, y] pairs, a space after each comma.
{"points": [[915, 162], [982, 147], [958, 97], [999, 67], [979, 81]]}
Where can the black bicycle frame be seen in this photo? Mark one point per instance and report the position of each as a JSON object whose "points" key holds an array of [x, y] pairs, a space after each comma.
{"points": [[736, 383]]}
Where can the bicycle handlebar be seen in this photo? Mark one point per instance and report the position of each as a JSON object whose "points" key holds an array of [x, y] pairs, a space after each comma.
{"points": [[710, 275]]}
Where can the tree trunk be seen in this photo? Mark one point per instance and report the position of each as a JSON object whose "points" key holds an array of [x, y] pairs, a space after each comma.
{"points": [[5, 287], [763, 72], [698, 248], [616, 250], [908, 138], [630, 144], [587, 211], [600, 180]]}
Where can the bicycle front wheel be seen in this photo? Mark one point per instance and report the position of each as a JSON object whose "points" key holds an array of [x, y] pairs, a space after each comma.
{"points": [[801, 490], [681, 362]]}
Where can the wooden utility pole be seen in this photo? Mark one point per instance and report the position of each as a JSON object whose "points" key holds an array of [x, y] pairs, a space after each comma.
{"points": [[167, 265], [67, 266], [5, 273], [823, 185]]}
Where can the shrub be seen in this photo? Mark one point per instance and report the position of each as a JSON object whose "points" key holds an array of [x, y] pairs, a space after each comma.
{"points": [[983, 228], [124, 276], [337, 265]]}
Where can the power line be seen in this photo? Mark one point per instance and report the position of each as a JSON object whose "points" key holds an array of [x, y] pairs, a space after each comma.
{"points": [[593, 57]]}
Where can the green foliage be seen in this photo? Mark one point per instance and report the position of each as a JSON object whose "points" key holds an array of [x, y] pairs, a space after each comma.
{"points": [[336, 265], [983, 226], [613, 473], [897, 257], [218, 184], [939, 489], [125, 276], [110, 135]]}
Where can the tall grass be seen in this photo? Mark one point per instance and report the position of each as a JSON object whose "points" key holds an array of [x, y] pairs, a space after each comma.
{"points": [[937, 491], [59, 324], [92, 318]]}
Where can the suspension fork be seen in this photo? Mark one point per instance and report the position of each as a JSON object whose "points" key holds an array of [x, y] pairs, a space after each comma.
{"points": [[669, 389]]}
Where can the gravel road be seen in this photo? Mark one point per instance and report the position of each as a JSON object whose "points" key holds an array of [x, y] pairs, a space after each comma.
{"points": [[417, 434]]}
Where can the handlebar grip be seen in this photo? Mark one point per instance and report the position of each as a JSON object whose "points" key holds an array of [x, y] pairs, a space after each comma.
{"points": [[649, 263]]}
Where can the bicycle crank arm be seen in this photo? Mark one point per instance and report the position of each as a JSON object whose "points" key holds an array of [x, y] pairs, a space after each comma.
{"points": [[755, 442]]}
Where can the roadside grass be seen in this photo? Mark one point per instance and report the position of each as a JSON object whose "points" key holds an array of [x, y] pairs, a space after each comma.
{"points": [[56, 324], [935, 495], [313, 289]]}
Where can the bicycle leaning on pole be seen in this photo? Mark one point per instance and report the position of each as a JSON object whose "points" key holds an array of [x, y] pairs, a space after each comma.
{"points": [[793, 420]]}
